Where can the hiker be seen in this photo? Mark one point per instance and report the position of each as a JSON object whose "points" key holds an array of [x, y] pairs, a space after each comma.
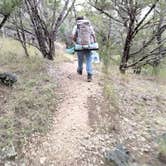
{"points": [[83, 34]]}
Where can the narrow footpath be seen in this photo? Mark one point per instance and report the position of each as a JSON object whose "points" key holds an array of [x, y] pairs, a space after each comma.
{"points": [[61, 146]]}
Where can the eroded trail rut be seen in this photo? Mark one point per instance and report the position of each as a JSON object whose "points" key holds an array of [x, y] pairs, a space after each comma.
{"points": [[61, 146]]}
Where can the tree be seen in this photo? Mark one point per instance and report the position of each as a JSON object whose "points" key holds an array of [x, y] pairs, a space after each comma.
{"points": [[6, 8], [46, 29], [135, 18]]}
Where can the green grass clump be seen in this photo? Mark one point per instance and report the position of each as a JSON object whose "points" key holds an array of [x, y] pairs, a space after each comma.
{"points": [[111, 95], [162, 147]]}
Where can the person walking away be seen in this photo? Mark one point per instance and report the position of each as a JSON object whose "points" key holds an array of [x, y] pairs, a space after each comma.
{"points": [[83, 34]]}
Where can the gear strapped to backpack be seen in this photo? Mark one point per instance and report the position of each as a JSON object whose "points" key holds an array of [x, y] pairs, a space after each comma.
{"points": [[84, 36]]}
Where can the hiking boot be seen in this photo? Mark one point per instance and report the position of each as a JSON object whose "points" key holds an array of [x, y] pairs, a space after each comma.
{"points": [[89, 77], [79, 72]]}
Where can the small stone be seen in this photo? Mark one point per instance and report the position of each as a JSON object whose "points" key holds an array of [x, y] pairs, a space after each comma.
{"points": [[74, 128], [119, 156], [8, 153], [86, 137], [146, 150], [42, 160], [162, 157], [8, 163], [97, 108]]}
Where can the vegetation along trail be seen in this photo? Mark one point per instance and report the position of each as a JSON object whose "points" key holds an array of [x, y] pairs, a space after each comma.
{"points": [[61, 146], [50, 115]]}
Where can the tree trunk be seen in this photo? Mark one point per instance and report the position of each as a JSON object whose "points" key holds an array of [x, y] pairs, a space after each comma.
{"points": [[126, 50], [21, 33], [5, 18], [159, 42], [129, 39], [44, 37]]}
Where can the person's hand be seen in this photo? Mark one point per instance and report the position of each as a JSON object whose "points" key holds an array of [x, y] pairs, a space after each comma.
{"points": [[74, 38]]}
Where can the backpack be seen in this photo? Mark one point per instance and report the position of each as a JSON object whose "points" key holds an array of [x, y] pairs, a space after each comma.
{"points": [[83, 32]]}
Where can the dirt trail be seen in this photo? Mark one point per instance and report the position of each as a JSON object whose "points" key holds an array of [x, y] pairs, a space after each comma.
{"points": [[61, 146], [89, 123]]}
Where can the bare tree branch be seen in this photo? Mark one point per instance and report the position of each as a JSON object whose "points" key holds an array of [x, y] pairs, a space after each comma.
{"points": [[136, 30], [5, 18]]}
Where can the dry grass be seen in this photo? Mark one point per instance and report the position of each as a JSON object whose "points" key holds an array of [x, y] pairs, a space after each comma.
{"points": [[28, 106], [135, 113]]}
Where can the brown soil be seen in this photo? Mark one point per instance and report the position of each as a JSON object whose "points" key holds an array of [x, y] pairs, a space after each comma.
{"points": [[87, 125], [61, 146]]}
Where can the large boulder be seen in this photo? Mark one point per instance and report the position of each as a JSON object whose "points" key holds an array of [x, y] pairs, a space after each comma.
{"points": [[118, 157], [8, 79]]}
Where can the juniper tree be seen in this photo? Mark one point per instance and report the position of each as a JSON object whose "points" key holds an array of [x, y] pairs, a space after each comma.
{"points": [[6, 8], [140, 29]]}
